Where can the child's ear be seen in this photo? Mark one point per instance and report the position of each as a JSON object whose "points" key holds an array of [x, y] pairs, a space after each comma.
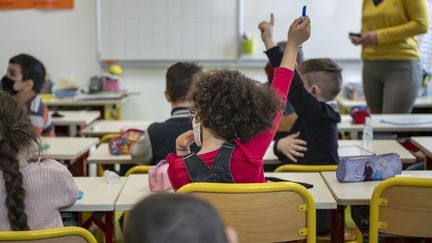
{"points": [[167, 96], [28, 85]]}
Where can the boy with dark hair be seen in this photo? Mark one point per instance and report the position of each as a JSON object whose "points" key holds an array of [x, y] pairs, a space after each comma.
{"points": [[159, 139], [313, 101], [24, 79], [177, 218]]}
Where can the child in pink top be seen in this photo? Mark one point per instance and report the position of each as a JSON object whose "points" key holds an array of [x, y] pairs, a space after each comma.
{"points": [[31, 193], [235, 119]]}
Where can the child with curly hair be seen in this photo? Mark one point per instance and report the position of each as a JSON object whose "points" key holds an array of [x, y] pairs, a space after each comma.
{"points": [[32, 193], [235, 119]]}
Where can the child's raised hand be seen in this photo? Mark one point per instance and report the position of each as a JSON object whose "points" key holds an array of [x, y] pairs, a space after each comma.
{"points": [[266, 29], [299, 31], [183, 142]]}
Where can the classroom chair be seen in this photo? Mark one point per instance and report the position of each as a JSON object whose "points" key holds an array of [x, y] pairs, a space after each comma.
{"points": [[352, 232], [262, 212], [70, 234], [305, 168], [105, 139], [401, 206], [139, 169]]}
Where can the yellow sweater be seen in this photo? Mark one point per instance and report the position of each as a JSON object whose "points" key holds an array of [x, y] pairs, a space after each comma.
{"points": [[397, 22]]}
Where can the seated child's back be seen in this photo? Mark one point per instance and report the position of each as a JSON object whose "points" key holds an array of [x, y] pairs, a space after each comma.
{"points": [[159, 139], [33, 192], [235, 120], [313, 100]]}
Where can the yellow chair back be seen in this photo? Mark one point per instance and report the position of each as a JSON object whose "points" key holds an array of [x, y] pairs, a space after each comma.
{"points": [[352, 232], [305, 168], [401, 206], [139, 169], [69, 234], [262, 212]]}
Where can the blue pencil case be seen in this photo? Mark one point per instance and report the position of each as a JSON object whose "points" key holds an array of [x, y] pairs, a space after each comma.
{"points": [[371, 168]]}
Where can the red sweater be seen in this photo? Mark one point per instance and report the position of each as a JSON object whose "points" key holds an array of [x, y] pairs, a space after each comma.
{"points": [[247, 159]]}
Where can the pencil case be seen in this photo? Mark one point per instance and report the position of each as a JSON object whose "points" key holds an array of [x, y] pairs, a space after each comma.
{"points": [[371, 168], [158, 180], [122, 144]]}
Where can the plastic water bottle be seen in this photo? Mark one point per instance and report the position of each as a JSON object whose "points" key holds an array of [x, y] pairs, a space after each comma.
{"points": [[111, 177], [368, 132]]}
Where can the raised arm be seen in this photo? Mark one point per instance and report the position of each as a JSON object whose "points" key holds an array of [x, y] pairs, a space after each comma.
{"points": [[298, 33]]}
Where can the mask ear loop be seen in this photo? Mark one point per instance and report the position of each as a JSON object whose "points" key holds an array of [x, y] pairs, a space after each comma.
{"points": [[197, 131]]}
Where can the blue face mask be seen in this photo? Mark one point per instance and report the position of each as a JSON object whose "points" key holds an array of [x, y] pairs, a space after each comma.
{"points": [[8, 85]]}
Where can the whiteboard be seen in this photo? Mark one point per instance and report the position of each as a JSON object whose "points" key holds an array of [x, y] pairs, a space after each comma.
{"points": [[163, 30], [332, 20]]}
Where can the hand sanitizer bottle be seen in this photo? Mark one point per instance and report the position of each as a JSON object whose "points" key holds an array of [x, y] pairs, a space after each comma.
{"points": [[368, 133]]}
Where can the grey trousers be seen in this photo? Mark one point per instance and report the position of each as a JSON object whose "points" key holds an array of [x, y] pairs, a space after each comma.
{"points": [[391, 86]]}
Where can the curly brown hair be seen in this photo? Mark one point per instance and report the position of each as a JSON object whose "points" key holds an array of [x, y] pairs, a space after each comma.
{"points": [[16, 134], [233, 106]]}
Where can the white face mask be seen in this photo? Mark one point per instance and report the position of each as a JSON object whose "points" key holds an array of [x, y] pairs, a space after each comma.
{"points": [[196, 125]]}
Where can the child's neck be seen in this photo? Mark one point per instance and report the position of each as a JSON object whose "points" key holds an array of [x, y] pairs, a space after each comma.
{"points": [[24, 97], [209, 142]]}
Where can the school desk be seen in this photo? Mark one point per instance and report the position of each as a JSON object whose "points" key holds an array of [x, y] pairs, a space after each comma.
{"points": [[346, 104], [358, 193], [425, 145], [102, 156], [71, 149], [74, 120], [136, 188], [378, 147], [110, 108], [104, 127], [409, 123], [99, 198]]}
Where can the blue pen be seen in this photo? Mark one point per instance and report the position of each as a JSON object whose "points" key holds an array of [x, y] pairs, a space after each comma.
{"points": [[304, 11]]}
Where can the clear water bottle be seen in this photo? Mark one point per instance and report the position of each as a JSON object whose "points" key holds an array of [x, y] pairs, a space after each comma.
{"points": [[368, 132], [111, 177]]}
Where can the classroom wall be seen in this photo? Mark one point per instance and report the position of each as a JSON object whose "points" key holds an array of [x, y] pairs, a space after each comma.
{"points": [[66, 42]]}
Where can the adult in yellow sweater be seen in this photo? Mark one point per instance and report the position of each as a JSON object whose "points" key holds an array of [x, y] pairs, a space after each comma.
{"points": [[391, 68]]}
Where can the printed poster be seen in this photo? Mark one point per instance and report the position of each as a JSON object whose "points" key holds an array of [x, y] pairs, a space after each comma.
{"points": [[36, 4]]}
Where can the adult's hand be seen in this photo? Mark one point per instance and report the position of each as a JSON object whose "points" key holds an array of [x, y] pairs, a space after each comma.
{"points": [[367, 38]]}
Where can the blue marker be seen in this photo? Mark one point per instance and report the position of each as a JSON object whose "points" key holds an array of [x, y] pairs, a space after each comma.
{"points": [[304, 11]]}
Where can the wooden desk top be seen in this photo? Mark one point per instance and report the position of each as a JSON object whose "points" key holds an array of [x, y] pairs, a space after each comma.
{"points": [[420, 102], [75, 102], [378, 126], [358, 193], [136, 188], [102, 156], [378, 147], [104, 127], [67, 148], [75, 118], [423, 143], [98, 195], [320, 193], [383, 147]]}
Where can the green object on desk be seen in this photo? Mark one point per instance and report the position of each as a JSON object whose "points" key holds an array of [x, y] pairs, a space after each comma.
{"points": [[41, 147]]}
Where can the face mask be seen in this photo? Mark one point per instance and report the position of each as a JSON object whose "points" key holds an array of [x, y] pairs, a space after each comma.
{"points": [[197, 131], [8, 85]]}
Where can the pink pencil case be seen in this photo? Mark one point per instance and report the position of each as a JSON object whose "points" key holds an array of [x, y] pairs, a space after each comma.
{"points": [[158, 177]]}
